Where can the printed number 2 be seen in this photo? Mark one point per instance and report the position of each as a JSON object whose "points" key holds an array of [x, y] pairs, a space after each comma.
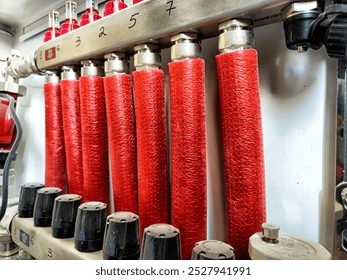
{"points": [[134, 20]]}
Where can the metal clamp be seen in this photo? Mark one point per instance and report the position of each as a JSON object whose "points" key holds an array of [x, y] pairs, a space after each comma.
{"points": [[236, 34], [116, 63], [147, 56], [187, 45]]}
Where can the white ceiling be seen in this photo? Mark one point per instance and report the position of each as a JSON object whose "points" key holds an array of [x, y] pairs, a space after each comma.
{"points": [[17, 12]]}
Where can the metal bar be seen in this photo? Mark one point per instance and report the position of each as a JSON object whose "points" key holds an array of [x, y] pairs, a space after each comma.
{"points": [[39, 242], [151, 21], [42, 16]]}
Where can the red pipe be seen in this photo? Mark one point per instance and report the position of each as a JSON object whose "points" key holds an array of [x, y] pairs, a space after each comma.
{"points": [[122, 142], [243, 146], [73, 135], [151, 147], [188, 151], [7, 123], [55, 161], [94, 140]]}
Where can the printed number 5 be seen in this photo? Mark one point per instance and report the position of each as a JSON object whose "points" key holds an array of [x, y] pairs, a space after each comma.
{"points": [[134, 20]]}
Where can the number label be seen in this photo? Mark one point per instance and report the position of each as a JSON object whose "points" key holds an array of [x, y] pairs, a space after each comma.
{"points": [[171, 7], [133, 20], [78, 41]]}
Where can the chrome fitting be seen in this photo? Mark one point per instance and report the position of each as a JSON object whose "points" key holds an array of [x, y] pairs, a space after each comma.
{"points": [[13, 88], [52, 77], [19, 67], [116, 63], [235, 34], [147, 56], [91, 68], [10, 213], [7, 247], [270, 232], [297, 8], [187, 46], [69, 73]]}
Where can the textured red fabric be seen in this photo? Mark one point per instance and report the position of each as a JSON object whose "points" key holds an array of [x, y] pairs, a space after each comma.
{"points": [[122, 142], [188, 151], [70, 96], [55, 159], [151, 147], [243, 146], [94, 140]]}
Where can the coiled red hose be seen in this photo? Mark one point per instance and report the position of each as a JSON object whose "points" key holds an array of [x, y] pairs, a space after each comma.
{"points": [[55, 158], [122, 142], [73, 134], [151, 147], [188, 151], [94, 140], [243, 146]]}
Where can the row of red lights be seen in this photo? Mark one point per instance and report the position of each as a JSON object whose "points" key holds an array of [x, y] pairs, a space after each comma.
{"points": [[91, 14]]}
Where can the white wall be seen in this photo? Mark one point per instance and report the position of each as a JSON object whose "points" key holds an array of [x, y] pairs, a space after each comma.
{"points": [[297, 95], [29, 165]]}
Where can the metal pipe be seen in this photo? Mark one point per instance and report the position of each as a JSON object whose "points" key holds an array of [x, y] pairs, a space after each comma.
{"points": [[101, 37]]}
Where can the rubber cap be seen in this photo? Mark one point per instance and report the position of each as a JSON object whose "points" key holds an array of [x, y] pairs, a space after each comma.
{"points": [[64, 215], [90, 226], [43, 207], [161, 242], [212, 250], [27, 199], [122, 237]]}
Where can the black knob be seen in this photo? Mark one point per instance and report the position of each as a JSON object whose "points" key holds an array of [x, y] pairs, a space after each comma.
{"points": [[161, 242], [27, 199], [90, 226], [298, 30], [212, 250], [43, 207], [122, 237], [64, 215]]}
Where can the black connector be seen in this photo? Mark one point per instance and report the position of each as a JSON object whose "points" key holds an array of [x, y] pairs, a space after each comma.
{"points": [[322, 24]]}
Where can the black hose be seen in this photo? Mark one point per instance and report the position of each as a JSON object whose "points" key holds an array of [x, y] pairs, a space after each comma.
{"points": [[11, 154]]}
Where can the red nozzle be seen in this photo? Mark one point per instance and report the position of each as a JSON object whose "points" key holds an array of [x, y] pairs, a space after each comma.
{"points": [[71, 22], [114, 6], [53, 26], [91, 13]]}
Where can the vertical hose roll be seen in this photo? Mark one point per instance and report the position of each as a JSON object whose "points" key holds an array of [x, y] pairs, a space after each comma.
{"points": [[188, 151], [94, 140], [122, 142], [73, 134], [151, 147], [55, 158], [243, 146]]}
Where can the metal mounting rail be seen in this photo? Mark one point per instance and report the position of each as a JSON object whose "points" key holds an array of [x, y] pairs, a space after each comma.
{"points": [[39, 242], [151, 21]]}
